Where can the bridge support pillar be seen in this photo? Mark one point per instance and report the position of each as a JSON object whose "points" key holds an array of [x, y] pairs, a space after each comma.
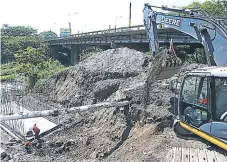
{"points": [[114, 45], [75, 55]]}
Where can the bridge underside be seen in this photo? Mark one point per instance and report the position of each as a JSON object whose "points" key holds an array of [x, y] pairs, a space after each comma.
{"points": [[70, 54]]}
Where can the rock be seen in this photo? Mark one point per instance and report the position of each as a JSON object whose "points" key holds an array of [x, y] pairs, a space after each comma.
{"points": [[8, 157], [10, 143], [58, 143], [59, 150], [93, 155], [69, 143], [18, 141], [88, 141], [12, 140], [67, 148], [3, 155]]}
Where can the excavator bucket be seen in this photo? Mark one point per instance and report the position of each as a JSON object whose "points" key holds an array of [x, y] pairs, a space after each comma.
{"points": [[170, 63]]}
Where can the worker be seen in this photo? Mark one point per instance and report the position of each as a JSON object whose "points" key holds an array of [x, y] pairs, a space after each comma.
{"points": [[203, 101], [27, 148], [36, 131]]}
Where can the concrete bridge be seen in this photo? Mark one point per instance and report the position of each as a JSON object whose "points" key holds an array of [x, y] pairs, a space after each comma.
{"points": [[132, 37]]}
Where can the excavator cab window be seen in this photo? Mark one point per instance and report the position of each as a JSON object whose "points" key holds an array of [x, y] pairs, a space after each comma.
{"points": [[193, 103], [221, 96]]}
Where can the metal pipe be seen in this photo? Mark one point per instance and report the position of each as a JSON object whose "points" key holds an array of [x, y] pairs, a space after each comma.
{"points": [[97, 106], [29, 115], [61, 111]]}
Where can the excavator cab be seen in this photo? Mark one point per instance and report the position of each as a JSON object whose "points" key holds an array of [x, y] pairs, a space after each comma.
{"points": [[202, 104]]}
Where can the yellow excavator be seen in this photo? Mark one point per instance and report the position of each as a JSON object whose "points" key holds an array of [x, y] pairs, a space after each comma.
{"points": [[201, 102]]}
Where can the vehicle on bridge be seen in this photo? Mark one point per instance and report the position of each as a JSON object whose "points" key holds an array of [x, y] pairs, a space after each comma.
{"points": [[201, 107]]}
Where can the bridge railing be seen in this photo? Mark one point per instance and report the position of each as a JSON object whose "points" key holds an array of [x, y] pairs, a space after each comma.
{"points": [[106, 31]]}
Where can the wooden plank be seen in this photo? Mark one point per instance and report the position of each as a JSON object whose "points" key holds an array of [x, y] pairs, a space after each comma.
{"points": [[170, 155], [185, 155], [224, 153], [194, 155], [202, 156], [211, 156], [219, 156], [177, 155]]}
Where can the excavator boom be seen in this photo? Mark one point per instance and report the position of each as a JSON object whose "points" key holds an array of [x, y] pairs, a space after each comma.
{"points": [[209, 32]]}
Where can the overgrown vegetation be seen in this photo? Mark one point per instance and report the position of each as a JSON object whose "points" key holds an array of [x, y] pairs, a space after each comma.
{"points": [[88, 52], [216, 8], [26, 56]]}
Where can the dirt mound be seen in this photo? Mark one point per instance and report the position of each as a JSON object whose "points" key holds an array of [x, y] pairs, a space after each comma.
{"points": [[111, 75]]}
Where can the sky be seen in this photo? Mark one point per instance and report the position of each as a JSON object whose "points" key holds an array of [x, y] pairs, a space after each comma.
{"points": [[84, 15]]}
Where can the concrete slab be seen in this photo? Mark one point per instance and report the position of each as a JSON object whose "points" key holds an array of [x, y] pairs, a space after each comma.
{"points": [[22, 126]]}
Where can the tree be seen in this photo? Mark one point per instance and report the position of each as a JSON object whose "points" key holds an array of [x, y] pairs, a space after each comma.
{"points": [[47, 35], [215, 8], [17, 38], [33, 65], [17, 31]]}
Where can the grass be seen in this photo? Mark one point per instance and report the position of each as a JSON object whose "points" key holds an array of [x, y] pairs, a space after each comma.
{"points": [[8, 72], [8, 77]]}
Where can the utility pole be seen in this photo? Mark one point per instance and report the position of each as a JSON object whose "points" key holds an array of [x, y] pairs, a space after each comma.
{"points": [[70, 29], [130, 13]]}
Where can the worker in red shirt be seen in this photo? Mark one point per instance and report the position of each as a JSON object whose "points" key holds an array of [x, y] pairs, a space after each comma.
{"points": [[204, 101], [36, 130], [27, 147]]}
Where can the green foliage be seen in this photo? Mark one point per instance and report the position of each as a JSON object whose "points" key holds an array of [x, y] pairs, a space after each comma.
{"points": [[8, 72], [48, 35], [34, 65], [17, 31], [215, 8], [8, 77], [147, 53], [30, 56], [25, 47], [10, 45], [87, 55]]}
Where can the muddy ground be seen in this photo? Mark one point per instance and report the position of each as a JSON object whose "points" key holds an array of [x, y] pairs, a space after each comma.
{"points": [[113, 134]]}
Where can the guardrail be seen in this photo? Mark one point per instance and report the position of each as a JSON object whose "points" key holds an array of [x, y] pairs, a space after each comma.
{"points": [[106, 31]]}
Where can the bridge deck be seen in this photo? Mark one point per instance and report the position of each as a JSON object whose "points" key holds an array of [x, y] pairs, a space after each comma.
{"points": [[196, 155]]}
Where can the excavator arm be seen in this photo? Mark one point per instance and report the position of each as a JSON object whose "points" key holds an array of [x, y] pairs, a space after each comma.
{"points": [[209, 32]]}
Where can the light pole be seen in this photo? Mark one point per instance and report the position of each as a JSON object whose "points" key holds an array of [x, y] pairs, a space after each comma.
{"points": [[70, 24], [116, 20], [130, 13]]}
